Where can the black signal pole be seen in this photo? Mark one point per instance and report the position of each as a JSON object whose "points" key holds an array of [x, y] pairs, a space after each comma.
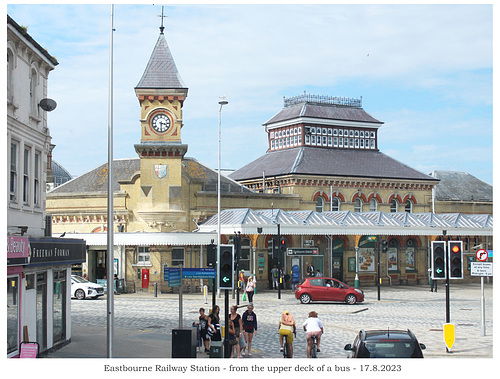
{"points": [[227, 348], [378, 267], [279, 261]]}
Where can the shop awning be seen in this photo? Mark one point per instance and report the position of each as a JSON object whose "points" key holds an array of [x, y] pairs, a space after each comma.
{"points": [[145, 239]]}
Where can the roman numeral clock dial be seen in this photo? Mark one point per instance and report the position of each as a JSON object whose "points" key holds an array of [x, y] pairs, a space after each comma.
{"points": [[161, 123]]}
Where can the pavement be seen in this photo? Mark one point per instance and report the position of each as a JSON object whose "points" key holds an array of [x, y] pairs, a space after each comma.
{"points": [[143, 323]]}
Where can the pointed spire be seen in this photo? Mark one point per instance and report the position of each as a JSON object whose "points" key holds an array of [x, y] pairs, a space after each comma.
{"points": [[161, 71]]}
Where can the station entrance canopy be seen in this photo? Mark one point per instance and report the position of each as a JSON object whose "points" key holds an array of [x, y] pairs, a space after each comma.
{"points": [[248, 221]]}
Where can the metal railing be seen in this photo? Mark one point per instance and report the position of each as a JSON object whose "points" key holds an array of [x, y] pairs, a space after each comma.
{"points": [[322, 99]]}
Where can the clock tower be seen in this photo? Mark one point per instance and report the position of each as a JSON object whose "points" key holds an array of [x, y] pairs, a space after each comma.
{"points": [[161, 93]]}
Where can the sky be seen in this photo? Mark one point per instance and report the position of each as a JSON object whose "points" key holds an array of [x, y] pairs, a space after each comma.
{"points": [[426, 71]]}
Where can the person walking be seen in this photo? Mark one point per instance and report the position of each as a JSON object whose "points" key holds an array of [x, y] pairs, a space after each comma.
{"points": [[203, 323], [250, 288], [313, 327], [275, 275], [433, 282], [214, 324], [249, 320], [238, 329], [310, 270]]}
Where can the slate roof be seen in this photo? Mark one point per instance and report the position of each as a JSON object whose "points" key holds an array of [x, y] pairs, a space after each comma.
{"points": [[161, 71], [96, 180], [328, 162], [330, 112], [461, 186]]}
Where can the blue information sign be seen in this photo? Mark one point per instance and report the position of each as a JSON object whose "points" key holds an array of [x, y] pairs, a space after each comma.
{"points": [[172, 276], [199, 273]]}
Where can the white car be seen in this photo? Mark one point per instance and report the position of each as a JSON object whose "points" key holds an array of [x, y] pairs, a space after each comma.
{"points": [[81, 288]]}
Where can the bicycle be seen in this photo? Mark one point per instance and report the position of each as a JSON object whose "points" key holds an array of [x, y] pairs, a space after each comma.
{"points": [[314, 347], [286, 347]]}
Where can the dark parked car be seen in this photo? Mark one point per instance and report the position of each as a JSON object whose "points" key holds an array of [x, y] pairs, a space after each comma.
{"points": [[327, 289], [385, 344]]}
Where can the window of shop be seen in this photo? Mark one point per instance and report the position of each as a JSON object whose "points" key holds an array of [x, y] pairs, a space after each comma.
{"points": [[59, 306], [178, 257], [392, 255], [143, 255], [12, 314], [244, 262], [410, 255], [41, 310]]}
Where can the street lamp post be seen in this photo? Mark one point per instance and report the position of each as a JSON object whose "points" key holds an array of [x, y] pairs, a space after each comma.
{"points": [[222, 102]]}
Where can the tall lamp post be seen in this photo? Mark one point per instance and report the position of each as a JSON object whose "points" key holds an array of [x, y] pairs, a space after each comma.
{"points": [[222, 102]]}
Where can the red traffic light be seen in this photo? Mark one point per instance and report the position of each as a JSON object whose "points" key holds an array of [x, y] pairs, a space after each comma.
{"points": [[455, 249]]}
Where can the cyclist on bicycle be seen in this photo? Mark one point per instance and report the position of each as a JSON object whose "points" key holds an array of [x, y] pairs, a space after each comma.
{"points": [[286, 328], [313, 327]]}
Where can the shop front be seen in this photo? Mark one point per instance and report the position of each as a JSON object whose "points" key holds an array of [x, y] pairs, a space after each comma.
{"points": [[39, 291]]}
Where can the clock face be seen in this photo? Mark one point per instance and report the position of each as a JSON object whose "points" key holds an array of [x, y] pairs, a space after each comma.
{"points": [[160, 123]]}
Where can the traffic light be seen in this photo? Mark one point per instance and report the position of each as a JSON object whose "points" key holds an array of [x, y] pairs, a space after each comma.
{"points": [[225, 267], [438, 260], [283, 245], [384, 246], [273, 243], [237, 249], [211, 255], [455, 260]]}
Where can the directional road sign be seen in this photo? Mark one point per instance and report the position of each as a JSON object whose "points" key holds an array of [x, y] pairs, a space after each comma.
{"points": [[482, 255]]}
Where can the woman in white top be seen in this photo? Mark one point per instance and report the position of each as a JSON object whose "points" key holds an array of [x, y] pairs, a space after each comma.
{"points": [[313, 327]]}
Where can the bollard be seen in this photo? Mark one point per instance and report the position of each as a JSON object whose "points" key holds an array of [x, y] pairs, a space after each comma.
{"points": [[205, 293], [156, 289]]}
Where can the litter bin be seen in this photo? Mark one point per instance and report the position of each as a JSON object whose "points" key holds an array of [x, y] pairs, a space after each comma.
{"points": [[216, 349], [184, 343], [121, 286]]}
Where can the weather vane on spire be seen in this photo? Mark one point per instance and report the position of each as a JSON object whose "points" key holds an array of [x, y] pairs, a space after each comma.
{"points": [[162, 28]]}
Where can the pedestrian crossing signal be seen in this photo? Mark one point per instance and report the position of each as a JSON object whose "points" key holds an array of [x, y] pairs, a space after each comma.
{"points": [[438, 261]]}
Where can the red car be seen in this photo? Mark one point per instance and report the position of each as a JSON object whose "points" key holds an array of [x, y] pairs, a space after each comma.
{"points": [[327, 289]]}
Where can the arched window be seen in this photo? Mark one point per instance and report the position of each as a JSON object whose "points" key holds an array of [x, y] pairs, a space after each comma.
{"points": [[10, 68], [358, 205], [33, 81], [320, 203], [409, 206], [336, 204], [394, 205], [373, 205]]}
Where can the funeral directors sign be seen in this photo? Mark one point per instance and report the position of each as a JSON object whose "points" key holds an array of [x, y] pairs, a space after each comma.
{"points": [[57, 250]]}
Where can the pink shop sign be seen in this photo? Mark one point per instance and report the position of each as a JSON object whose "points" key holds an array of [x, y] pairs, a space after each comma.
{"points": [[18, 250]]}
